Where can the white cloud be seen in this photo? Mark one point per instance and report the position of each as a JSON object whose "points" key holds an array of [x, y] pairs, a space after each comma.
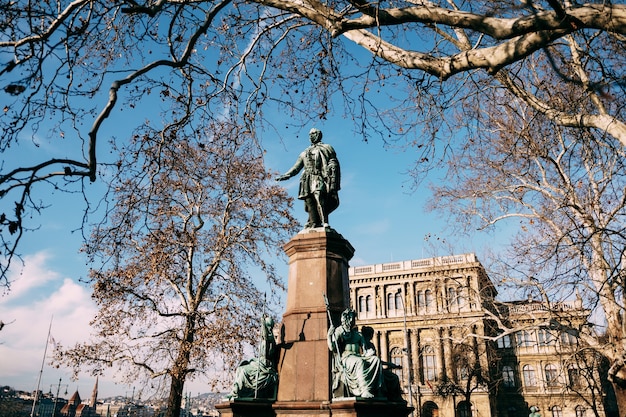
{"points": [[34, 274], [37, 297]]}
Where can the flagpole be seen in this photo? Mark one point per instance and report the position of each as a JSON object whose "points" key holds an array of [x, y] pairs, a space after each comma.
{"points": [[43, 361]]}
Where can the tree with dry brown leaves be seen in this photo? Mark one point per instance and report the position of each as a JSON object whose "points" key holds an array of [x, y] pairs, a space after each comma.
{"points": [[191, 221]]}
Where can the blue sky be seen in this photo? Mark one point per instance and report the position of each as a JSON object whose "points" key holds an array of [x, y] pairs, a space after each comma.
{"points": [[378, 214]]}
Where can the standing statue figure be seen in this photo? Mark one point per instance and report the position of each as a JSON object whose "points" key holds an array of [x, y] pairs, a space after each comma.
{"points": [[534, 412], [320, 181], [358, 372], [257, 377]]}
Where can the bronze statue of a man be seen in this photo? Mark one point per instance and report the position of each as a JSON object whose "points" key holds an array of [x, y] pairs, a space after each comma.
{"points": [[320, 181]]}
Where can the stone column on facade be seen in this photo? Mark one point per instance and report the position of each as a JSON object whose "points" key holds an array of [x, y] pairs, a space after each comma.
{"points": [[418, 361], [444, 297], [448, 353], [384, 346], [414, 354], [407, 301], [440, 352], [409, 362], [438, 298], [475, 289], [383, 298]]}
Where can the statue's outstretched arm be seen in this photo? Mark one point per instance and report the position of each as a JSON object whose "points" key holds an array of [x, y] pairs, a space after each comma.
{"points": [[293, 171]]}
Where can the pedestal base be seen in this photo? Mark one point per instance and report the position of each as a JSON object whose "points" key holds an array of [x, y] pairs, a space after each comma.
{"points": [[348, 407], [246, 408], [352, 407]]}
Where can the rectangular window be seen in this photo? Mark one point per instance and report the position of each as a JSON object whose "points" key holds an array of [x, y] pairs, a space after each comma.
{"points": [[524, 338], [546, 338], [429, 363], [504, 341]]}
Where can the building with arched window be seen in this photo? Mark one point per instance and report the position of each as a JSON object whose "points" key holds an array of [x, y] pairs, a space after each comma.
{"points": [[465, 354]]}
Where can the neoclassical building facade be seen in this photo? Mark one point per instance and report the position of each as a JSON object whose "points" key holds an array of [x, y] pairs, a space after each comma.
{"points": [[464, 353]]}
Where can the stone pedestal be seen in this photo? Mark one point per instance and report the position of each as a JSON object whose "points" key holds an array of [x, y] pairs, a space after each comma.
{"points": [[318, 265]]}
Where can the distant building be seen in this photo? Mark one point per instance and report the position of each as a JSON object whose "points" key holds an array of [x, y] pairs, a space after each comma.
{"points": [[76, 408], [133, 410], [543, 364], [438, 318], [50, 406]]}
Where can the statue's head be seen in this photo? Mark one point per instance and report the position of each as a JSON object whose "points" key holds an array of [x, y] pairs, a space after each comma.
{"points": [[315, 135], [269, 322], [348, 317]]}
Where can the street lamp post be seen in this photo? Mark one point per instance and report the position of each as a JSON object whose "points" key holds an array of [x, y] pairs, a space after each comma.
{"points": [[409, 362], [56, 398]]}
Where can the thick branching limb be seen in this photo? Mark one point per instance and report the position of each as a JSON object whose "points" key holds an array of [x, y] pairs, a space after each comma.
{"points": [[491, 58], [602, 121], [610, 18]]}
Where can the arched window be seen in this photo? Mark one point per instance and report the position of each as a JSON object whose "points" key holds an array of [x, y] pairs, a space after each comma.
{"points": [[390, 302], [463, 409], [464, 372], [573, 374], [369, 303], [508, 376], [530, 380], [420, 300], [429, 363], [567, 339], [362, 307], [428, 300], [460, 297], [397, 356], [452, 300], [552, 377], [399, 301], [430, 409], [580, 411], [556, 411]]}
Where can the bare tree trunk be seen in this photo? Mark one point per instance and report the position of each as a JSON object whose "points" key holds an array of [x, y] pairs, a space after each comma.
{"points": [[176, 396], [617, 377], [179, 372], [620, 396]]}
